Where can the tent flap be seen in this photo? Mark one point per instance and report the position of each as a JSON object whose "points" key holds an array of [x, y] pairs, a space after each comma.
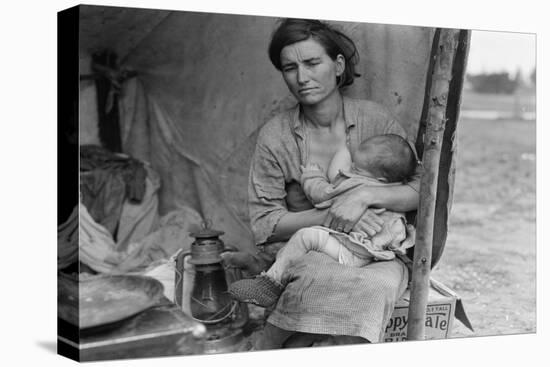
{"points": [[205, 86]]}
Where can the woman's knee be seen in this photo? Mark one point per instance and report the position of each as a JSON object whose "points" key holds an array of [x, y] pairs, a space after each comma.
{"points": [[389, 283]]}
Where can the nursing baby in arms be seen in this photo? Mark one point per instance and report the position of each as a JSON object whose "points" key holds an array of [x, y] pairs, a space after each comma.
{"points": [[380, 160]]}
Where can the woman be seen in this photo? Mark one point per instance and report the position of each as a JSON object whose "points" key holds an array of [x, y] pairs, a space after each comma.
{"points": [[316, 62]]}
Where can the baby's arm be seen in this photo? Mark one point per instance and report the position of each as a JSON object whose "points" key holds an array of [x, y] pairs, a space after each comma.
{"points": [[315, 184]]}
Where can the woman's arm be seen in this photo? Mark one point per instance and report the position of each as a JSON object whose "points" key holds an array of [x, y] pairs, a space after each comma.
{"points": [[270, 219], [348, 208], [293, 221]]}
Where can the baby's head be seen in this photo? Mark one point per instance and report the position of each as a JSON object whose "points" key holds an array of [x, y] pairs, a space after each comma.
{"points": [[386, 157]]}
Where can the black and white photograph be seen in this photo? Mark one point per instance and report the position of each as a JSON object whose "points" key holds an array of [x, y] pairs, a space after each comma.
{"points": [[234, 183], [250, 183]]}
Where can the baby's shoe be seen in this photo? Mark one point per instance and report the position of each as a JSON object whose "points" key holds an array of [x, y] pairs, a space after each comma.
{"points": [[262, 290]]}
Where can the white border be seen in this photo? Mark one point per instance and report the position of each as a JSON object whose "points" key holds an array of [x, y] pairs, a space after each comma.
{"points": [[29, 180]]}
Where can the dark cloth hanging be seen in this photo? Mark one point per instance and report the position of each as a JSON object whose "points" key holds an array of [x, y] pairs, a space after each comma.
{"points": [[104, 64], [106, 180]]}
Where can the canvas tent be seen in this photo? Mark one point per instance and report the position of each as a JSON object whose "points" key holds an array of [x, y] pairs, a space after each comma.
{"points": [[202, 86]]}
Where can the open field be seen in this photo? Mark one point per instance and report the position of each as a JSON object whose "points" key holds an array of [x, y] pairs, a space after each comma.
{"points": [[525, 100], [489, 257]]}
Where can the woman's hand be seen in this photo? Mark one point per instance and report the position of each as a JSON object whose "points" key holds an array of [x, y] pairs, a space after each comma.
{"points": [[370, 222], [347, 209]]}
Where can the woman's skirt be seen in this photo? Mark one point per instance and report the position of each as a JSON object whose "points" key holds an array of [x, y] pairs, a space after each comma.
{"points": [[325, 297]]}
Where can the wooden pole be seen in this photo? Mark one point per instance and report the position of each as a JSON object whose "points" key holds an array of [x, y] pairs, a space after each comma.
{"points": [[419, 144], [435, 127]]}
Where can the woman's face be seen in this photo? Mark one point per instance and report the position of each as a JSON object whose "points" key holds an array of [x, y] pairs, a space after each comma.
{"points": [[309, 72]]}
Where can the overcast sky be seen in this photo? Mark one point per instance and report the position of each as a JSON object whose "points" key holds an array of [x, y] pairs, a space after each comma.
{"points": [[501, 51]]}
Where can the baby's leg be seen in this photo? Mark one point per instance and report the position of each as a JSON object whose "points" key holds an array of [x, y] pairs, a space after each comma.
{"points": [[266, 289], [303, 241]]}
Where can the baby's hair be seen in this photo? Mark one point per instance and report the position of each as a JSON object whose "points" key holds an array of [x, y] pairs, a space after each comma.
{"points": [[387, 156]]}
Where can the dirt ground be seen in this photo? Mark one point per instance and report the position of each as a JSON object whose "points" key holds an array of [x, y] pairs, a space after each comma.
{"points": [[489, 258]]}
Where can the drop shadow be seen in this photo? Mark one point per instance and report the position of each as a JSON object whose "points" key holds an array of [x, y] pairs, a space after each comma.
{"points": [[50, 346]]}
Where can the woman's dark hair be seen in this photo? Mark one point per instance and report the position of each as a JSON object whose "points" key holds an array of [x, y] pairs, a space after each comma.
{"points": [[333, 41]]}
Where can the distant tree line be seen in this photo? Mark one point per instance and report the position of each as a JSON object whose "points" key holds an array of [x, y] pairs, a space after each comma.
{"points": [[500, 83]]}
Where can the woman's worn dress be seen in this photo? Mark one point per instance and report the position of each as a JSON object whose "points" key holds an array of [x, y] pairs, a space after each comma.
{"points": [[322, 297]]}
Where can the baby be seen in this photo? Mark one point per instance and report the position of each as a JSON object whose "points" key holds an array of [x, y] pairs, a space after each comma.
{"points": [[378, 161]]}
